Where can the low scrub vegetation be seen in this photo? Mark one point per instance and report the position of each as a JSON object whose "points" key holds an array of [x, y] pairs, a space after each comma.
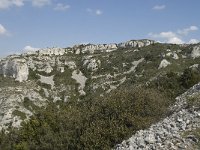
{"points": [[98, 123]]}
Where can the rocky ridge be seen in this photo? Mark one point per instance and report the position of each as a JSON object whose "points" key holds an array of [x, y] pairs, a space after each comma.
{"points": [[19, 68], [169, 133]]}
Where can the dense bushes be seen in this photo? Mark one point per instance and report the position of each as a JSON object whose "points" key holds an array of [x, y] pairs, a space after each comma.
{"points": [[174, 84], [98, 123], [169, 84], [33, 75], [190, 77]]}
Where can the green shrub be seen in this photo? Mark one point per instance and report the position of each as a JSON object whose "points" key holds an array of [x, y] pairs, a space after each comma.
{"points": [[196, 134], [44, 85], [97, 123], [22, 115], [28, 104], [169, 84], [33, 75], [194, 100], [190, 77]]}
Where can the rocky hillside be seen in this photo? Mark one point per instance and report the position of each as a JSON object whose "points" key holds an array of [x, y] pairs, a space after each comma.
{"points": [[61, 74], [28, 82]]}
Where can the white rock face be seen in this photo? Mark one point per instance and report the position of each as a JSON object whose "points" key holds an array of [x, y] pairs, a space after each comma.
{"points": [[92, 64], [136, 43], [77, 51], [194, 66], [81, 79], [47, 80], [16, 68], [61, 69], [52, 51], [169, 54], [91, 47], [47, 68], [12, 99], [70, 64], [175, 56], [164, 63], [195, 52], [135, 64]]}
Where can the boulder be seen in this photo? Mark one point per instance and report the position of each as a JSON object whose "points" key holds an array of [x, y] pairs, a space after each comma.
{"points": [[163, 64]]}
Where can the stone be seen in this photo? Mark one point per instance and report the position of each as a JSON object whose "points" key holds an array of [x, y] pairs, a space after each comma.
{"points": [[163, 64], [47, 80], [195, 52], [140, 142], [61, 69], [175, 56], [92, 64], [70, 64], [81, 79], [150, 139]]}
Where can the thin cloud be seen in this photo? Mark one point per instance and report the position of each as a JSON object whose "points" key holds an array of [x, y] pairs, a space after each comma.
{"points": [[193, 41], [40, 3], [30, 49], [188, 30], [5, 4], [168, 37], [175, 37], [3, 31], [61, 7], [89, 10], [97, 12], [159, 7]]}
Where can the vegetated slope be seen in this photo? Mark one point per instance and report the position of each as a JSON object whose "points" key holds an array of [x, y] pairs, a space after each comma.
{"points": [[91, 96], [180, 130]]}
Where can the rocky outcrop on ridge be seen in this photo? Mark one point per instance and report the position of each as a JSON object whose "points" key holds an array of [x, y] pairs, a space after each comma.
{"points": [[18, 68]]}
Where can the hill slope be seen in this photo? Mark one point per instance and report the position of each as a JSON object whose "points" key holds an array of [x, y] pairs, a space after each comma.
{"points": [[95, 80]]}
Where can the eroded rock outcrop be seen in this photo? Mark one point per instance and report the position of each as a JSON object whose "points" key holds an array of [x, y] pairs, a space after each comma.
{"points": [[17, 102], [53, 51], [91, 64], [16, 68], [195, 52], [91, 48], [136, 43], [163, 64]]}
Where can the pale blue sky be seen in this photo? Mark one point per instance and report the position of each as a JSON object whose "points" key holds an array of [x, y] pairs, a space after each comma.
{"points": [[62, 23]]}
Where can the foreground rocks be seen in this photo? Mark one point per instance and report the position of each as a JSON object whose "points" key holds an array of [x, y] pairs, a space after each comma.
{"points": [[168, 134]]}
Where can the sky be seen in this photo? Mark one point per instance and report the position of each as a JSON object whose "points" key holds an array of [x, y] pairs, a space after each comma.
{"points": [[32, 24]]}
